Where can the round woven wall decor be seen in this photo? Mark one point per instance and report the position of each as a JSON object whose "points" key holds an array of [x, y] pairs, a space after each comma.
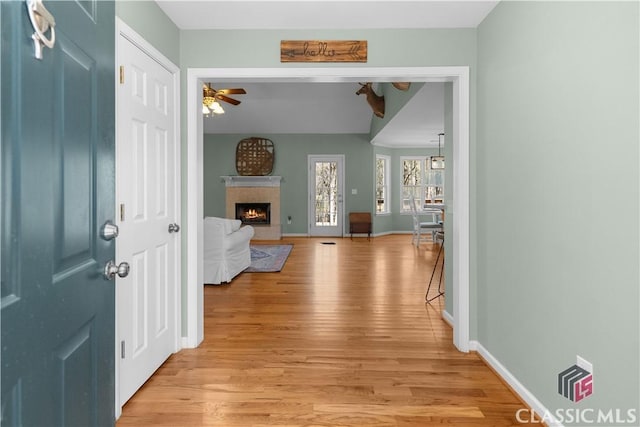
{"points": [[254, 156]]}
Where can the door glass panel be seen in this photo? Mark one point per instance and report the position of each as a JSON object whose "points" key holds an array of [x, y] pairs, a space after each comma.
{"points": [[326, 194]]}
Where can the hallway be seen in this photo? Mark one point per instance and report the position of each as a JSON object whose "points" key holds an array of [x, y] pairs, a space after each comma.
{"points": [[340, 337]]}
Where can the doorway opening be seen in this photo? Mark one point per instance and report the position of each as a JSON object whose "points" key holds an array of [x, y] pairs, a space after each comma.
{"points": [[458, 76]]}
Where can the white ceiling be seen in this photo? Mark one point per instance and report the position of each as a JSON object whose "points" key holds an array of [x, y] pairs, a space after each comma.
{"points": [[418, 123], [328, 108], [325, 14], [293, 108], [270, 108]]}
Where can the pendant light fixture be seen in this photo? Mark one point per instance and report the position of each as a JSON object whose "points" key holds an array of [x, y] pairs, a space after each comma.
{"points": [[437, 162]]}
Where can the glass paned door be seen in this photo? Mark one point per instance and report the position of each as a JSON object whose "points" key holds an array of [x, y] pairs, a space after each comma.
{"points": [[325, 195]]}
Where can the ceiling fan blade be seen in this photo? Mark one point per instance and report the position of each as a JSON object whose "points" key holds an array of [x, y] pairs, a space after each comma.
{"points": [[227, 99], [236, 91]]}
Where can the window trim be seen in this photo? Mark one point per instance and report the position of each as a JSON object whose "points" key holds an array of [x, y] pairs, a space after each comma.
{"points": [[387, 184], [423, 159]]}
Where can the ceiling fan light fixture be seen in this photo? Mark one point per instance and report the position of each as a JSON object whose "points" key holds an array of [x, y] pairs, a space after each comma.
{"points": [[208, 100], [211, 98], [216, 108]]}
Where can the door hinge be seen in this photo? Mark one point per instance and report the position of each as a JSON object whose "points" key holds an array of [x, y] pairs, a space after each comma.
{"points": [[121, 212], [122, 346], [122, 74]]}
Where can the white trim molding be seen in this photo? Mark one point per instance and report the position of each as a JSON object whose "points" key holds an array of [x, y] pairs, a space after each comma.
{"points": [[459, 75], [448, 319], [251, 181], [516, 385]]}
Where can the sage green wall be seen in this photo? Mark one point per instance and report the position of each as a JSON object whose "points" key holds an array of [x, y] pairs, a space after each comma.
{"points": [[148, 20], [394, 100], [558, 185], [291, 163], [261, 48]]}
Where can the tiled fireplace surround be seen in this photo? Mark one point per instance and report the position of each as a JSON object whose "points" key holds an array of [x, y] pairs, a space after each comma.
{"points": [[256, 189]]}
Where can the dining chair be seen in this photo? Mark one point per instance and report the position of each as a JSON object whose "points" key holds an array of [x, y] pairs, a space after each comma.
{"points": [[424, 231]]}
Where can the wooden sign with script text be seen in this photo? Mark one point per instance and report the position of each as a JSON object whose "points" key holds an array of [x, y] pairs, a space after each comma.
{"points": [[323, 51]]}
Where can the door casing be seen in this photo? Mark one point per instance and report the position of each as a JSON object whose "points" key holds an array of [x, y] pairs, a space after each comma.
{"points": [[460, 206], [338, 230]]}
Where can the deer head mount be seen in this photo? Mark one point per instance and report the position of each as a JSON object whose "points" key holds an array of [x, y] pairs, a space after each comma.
{"points": [[375, 101]]}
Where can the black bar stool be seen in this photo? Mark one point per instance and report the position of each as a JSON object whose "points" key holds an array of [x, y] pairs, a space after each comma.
{"points": [[439, 236]]}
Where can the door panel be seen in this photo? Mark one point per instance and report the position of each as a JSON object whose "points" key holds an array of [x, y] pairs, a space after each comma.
{"points": [[325, 195], [160, 307], [161, 178], [57, 191], [74, 355], [140, 291], [138, 155], [147, 188], [74, 195]]}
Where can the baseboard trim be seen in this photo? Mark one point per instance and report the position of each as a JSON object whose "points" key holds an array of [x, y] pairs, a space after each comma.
{"points": [[348, 235], [384, 233], [447, 318], [516, 386]]}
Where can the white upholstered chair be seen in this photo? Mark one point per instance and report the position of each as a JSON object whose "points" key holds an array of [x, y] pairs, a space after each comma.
{"points": [[226, 249]]}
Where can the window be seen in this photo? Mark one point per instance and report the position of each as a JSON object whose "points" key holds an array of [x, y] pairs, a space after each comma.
{"points": [[383, 197], [419, 181]]}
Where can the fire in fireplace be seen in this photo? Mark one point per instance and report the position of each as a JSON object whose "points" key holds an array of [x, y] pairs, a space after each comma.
{"points": [[254, 213]]}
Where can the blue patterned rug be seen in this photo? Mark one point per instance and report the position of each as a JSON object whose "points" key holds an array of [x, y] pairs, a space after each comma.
{"points": [[268, 258]]}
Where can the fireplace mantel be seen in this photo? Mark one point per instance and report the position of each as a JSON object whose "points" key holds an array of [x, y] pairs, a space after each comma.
{"points": [[252, 181]]}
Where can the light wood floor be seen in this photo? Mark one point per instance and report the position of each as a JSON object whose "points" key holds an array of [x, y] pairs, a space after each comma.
{"points": [[340, 337]]}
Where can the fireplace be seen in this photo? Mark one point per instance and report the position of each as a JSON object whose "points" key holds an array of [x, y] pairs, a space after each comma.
{"points": [[254, 213], [255, 190]]}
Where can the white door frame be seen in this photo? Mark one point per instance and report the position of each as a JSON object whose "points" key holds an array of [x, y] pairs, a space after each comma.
{"points": [[459, 76], [123, 30], [311, 189]]}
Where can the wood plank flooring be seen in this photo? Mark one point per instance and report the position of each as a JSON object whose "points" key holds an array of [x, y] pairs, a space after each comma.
{"points": [[340, 337]]}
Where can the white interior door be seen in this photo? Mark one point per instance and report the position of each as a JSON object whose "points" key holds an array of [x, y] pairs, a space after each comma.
{"points": [[326, 190], [147, 181]]}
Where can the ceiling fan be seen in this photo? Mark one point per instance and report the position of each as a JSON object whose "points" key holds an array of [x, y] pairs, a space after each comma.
{"points": [[211, 96]]}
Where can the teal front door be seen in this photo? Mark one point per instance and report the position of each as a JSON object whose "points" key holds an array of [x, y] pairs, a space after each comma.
{"points": [[57, 184]]}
